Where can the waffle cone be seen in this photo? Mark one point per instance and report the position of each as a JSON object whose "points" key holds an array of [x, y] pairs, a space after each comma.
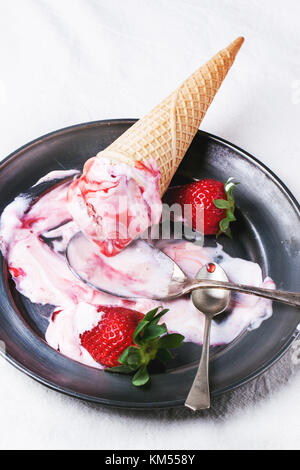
{"points": [[166, 132]]}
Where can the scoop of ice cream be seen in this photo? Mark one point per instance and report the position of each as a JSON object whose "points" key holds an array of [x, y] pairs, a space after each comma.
{"points": [[113, 202]]}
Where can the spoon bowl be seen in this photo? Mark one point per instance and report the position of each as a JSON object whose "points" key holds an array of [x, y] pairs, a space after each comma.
{"points": [[211, 302]]}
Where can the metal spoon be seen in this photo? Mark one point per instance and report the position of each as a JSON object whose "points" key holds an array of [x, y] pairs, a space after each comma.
{"points": [[210, 302], [175, 284]]}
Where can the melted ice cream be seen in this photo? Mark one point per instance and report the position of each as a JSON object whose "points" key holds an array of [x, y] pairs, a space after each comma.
{"points": [[33, 238]]}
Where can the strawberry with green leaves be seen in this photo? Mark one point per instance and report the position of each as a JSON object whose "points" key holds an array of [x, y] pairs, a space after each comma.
{"points": [[126, 341], [213, 197]]}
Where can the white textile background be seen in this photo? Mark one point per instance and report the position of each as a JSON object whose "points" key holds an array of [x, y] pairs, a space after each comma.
{"points": [[69, 61]]}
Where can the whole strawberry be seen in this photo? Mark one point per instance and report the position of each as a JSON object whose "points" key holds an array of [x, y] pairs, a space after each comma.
{"points": [[126, 341], [208, 198], [106, 341]]}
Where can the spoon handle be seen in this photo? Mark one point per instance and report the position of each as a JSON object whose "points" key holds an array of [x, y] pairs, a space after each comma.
{"points": [[199, 396], [290, 298]]}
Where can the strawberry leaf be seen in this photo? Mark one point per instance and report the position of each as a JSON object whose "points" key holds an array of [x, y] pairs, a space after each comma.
{"points": [[147, 344], [119, 369], [164, 355], [136, 335], [134, 358], [151, 318], [222, 204], [228, 233], [141, 377], [229, 206], [150, 315], [224, 224], [172, 340], [230, 216], [158, 316], [123, 358], [154, 331]]}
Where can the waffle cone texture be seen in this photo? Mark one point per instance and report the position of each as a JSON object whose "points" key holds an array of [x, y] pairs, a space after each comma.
{"points": [[166, 132]]}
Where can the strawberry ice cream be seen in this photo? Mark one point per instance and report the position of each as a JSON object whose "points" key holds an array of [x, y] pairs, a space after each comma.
{"points": [[33, 237], [113, 202]]}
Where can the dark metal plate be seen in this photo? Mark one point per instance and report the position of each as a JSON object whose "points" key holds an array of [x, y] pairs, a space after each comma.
{"points": [[268, 231]]}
